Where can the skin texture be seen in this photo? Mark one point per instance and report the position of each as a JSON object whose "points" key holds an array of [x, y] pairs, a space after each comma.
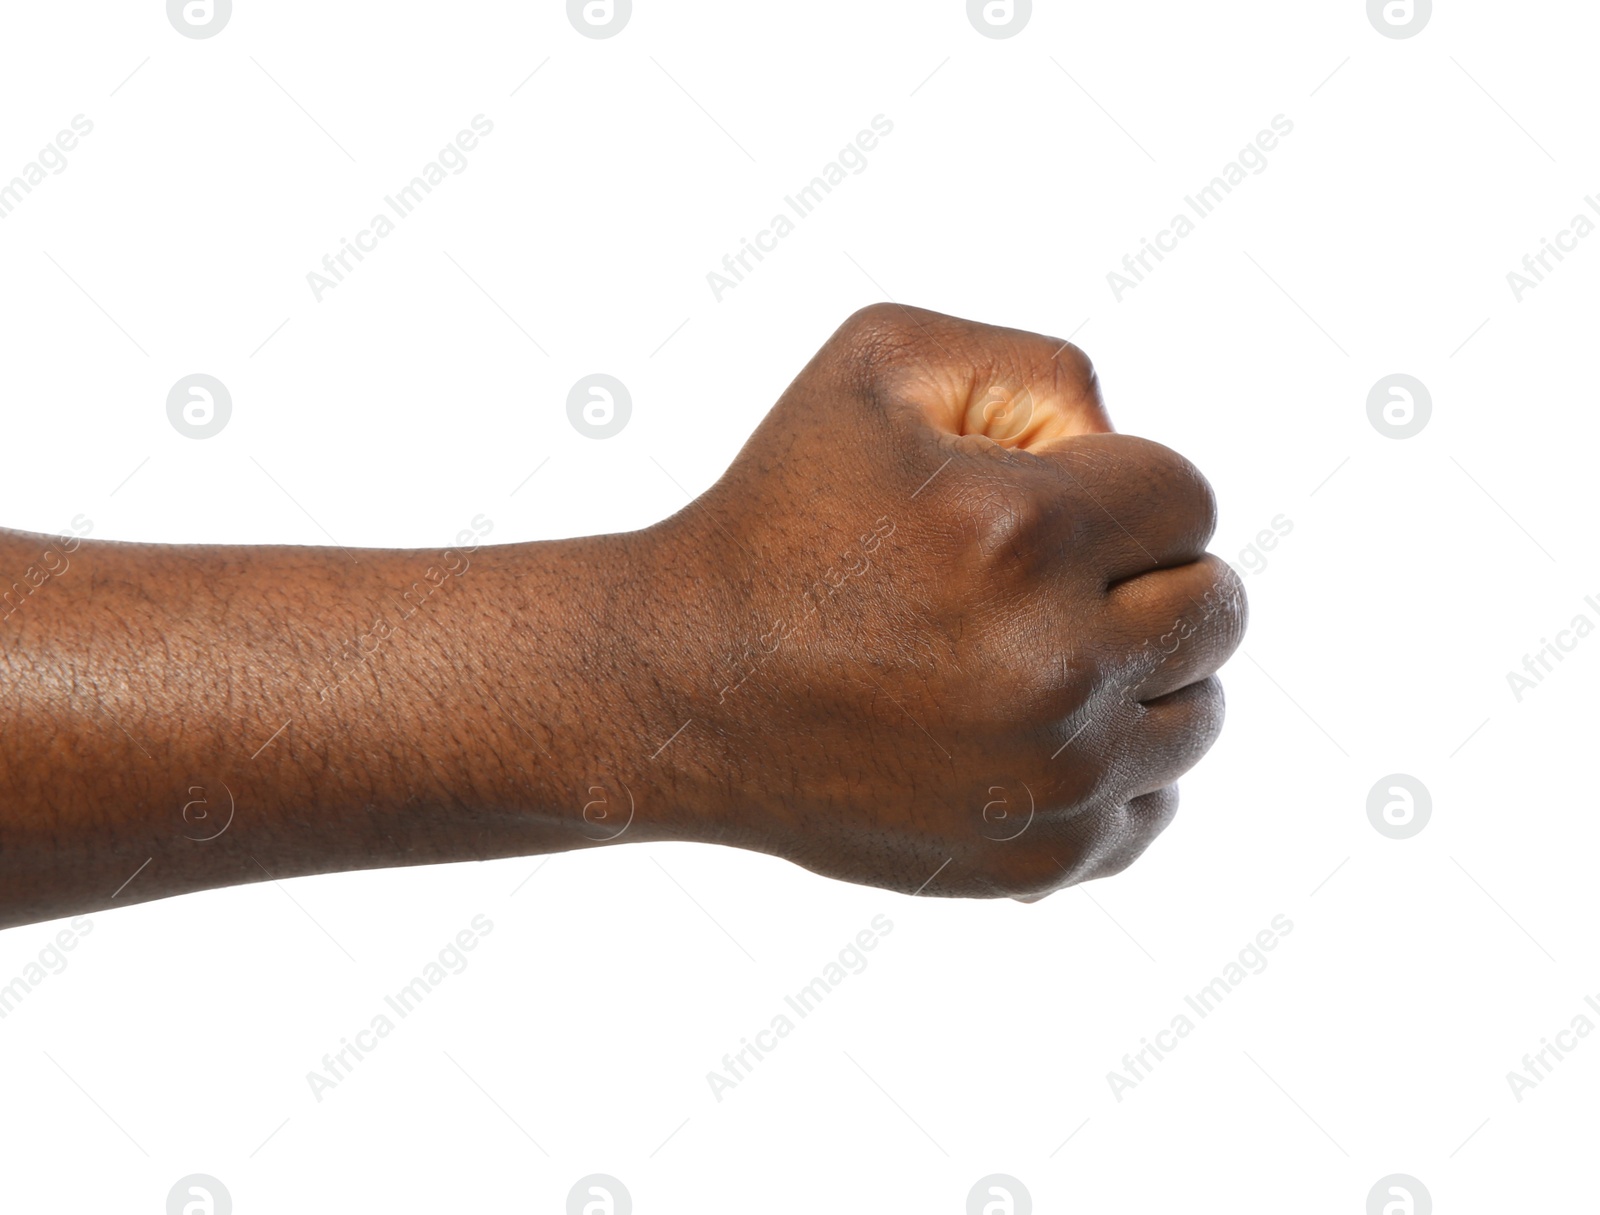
{"points": [[937, 629]]}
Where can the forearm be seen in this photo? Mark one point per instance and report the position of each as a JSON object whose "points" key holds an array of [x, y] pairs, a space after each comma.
{"points": [[229, 713]]}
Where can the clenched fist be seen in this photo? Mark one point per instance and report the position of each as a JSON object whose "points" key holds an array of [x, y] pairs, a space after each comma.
{"points": [[950, 633], [938, 629]]}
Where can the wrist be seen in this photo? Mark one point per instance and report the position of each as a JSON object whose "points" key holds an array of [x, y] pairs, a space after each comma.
{"points": [[602, 672]]}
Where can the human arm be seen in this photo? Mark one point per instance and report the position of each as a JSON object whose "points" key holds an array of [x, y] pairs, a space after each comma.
{"points": [[877, 618]]}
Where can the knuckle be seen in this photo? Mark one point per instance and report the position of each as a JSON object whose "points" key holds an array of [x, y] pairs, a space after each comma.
{"points": [[1131, 849], [1188, 491], [1207, 707], [1176, 486], [1153, 812], [1010, 520], [1071, 371], [1157, 483], [1130, 830], [879, 335], [1064, 685], [1225, 603], [1206, 514]]}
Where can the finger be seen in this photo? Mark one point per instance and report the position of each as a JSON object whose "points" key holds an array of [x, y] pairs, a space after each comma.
{"points": [[1110, 840], [1140, 505], [1016, 388], [1172, 734], [1180, 625], [1034, 391], [1143, 818]]}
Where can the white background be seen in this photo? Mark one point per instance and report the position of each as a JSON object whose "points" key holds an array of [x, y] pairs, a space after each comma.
{"points": [[1020, 171]]}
